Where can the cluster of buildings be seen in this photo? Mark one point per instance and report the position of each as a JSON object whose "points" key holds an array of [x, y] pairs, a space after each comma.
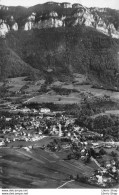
{"points": [[25, 130], [111, 167], [107, 176], [28, 128], [33, 125], [102, 178]]}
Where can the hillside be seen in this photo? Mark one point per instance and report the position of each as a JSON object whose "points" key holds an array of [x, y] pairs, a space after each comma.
{"points": [[69, 50], [57, 40], [11, 65]]}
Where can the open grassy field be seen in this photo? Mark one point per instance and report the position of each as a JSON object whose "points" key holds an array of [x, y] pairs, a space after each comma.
{"points": [[107, 112], [56, 99], [79, 87], [38, 143], [15, 84]]}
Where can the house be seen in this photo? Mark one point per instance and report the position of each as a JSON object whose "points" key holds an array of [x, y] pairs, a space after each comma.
{"points": [[8, 119], [108, 146], [113, 162], [27, 149], [100, 179], [69, 134], [114, 170], [45, 110], [26, 109], [108, 164], [35, 111], [2, 143], [77, 128], [95, 144], [83, 152], [60, 130]]}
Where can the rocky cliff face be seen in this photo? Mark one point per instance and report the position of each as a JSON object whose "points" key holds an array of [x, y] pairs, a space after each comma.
{"points": [[4, 28], [58, 15]]}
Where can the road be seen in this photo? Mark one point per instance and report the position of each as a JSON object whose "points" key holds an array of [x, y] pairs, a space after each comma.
{"points": [[29, 100], [94, 160], [65, 183], [111, 143]]}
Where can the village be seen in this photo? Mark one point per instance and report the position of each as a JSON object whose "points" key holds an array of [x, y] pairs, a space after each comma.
{"points": [[26, 130]]}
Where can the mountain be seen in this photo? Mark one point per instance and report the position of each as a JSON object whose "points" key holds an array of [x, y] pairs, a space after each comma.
{"points": [[64, 39], [68, 50], [52, 14]]}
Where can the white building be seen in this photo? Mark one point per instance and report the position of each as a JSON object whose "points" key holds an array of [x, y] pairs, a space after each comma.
{"points": [[60, 130], [45, 110], [2, 143]]}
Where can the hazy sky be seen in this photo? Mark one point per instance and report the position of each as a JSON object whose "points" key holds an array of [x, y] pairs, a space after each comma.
{"points": [[89, 3]]}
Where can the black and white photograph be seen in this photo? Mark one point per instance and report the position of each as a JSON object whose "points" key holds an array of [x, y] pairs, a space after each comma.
{"points": [[59, 95]]}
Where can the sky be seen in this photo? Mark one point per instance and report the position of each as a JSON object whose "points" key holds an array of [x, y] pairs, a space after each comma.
{"points": [[89, 3]]}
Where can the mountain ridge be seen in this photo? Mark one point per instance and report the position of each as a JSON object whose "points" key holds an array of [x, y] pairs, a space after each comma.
{"points": [[59, 45], [52, 14]]}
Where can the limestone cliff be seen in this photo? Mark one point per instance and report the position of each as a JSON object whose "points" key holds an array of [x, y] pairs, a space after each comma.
{"points": [[54, 15]]}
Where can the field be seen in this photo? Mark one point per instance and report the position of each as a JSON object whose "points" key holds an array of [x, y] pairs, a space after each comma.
{"points": [[79, 87], [39, 169], [56, 99], [15, 84], [38, 143]]}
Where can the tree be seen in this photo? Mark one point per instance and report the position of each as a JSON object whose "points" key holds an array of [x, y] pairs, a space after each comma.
{"points": [[77, 177], [69, 157], [83, 179], [71, 177], [113, 154], [102, 151]]}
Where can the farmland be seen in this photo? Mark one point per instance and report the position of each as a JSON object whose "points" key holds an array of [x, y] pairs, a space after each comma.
{"points": [[37, 169]]}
